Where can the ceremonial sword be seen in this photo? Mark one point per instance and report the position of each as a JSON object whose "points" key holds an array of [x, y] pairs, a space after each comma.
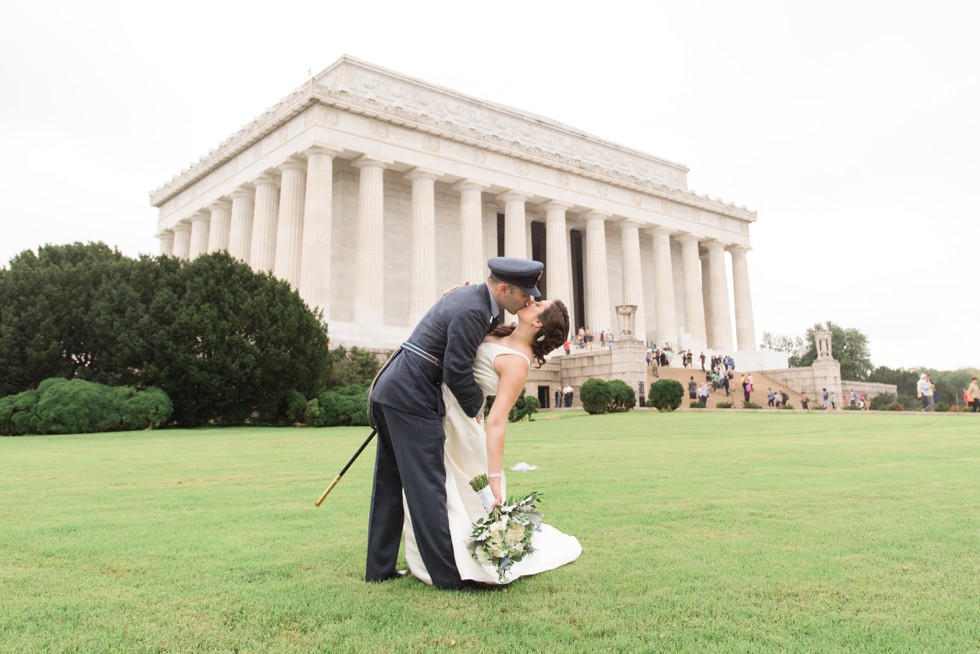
{"points": [[349, 464]]}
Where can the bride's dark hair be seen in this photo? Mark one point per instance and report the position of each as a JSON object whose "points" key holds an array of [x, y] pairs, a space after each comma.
{"points": [[552, 334]]}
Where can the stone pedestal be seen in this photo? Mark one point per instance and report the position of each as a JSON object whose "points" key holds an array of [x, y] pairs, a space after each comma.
{"points": [[826, 369], [626, 314], [629, 362]]}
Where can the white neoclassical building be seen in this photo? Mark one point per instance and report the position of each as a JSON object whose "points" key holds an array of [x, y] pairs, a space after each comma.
{"points": [[371, 192]]}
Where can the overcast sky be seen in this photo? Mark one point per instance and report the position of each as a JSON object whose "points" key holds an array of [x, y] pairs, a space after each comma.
{"points": [[853, 128]]}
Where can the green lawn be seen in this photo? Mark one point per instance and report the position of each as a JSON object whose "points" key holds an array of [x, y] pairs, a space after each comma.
{"points": [[702, 532]]}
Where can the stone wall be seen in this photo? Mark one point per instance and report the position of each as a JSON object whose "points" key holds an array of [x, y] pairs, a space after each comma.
{"points": [[626, 360]]}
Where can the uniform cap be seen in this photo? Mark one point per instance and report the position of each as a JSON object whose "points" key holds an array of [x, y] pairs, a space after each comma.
{"points": [[522, 273]]}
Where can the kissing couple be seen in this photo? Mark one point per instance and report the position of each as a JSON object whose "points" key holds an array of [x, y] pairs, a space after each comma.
{"points": [[427, 404]]}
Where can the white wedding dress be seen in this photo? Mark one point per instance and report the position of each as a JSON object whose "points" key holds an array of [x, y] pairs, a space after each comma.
{"points": [[465, 458]]}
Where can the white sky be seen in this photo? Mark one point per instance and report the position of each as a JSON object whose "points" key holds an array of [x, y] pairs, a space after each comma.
{"points": [[853, 128]]}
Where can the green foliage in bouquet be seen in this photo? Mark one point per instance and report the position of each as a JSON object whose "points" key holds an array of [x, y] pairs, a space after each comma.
{"points": [[504, 537]]}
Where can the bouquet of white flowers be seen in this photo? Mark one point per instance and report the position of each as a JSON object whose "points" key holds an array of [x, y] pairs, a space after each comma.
{"points": [[504, 536]]}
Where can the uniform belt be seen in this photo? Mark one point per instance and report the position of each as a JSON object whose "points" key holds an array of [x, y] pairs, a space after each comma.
{"points": [[417, 351]]}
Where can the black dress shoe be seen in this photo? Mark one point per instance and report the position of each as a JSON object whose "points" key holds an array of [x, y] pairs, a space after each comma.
{"points": [[477, 587], [398, 574]]}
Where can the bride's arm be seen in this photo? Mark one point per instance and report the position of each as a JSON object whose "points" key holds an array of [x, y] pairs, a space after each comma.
{"points": [[512, 369]]}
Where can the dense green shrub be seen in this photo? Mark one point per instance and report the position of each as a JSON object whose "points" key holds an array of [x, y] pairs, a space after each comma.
{"points": [[312, 413], [786, 405], [596, 396], [696, 404], [351, 367], [895, 406], [76, 406], [751, 405], [344, 406], [524, 407], [295, 407], [880, 402], [623, 396], [724, 405], [848, 407], [146, 409], [666, 394], [17, 415]]}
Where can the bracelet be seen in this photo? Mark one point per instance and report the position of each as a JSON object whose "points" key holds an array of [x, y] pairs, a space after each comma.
{"points": [[495, 475]]}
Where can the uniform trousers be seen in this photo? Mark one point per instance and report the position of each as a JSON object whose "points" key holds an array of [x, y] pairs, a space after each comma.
{"points": [[410, 458]]}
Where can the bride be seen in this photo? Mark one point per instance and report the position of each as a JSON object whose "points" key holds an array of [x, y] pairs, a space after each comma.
{"points": [[500, 368]]}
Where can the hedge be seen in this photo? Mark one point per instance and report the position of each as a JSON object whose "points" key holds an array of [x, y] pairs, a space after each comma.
{"points": [[76, 406]]}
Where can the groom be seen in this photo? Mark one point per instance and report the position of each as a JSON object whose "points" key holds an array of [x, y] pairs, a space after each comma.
{"points": [[407, 408]]}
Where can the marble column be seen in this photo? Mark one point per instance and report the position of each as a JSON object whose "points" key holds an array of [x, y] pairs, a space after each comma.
{"points": [[220, 226], [166, 242], [558, 272], [663, 281], [744, 322], [709, 307], [515, 224], [262, 252], [720, 312], [240, 231], [315, 271], [693, 297], [369, 283], [423, 277], [289, 226], [598, 312], [633, 276], [199, 234], [182, 240], [472, 264]]}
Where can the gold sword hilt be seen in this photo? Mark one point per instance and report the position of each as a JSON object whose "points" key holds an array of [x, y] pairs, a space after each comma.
{"points": [[327, 492]]}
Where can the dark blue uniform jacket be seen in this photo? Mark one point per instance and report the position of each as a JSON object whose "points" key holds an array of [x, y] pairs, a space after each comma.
{"points": [[451, 331]]}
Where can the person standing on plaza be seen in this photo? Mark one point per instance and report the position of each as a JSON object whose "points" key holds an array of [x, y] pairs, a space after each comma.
{"points": [[407, 407], [558, 398], [692, 389], [923, 390], [805, 402], [973, 394], [825, 399], [568, 392]]}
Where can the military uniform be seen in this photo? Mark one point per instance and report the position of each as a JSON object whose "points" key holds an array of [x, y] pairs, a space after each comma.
{"points": [[407, 408]]}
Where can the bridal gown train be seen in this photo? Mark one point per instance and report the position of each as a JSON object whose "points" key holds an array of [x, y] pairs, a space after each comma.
{"points": [[465, 458]]}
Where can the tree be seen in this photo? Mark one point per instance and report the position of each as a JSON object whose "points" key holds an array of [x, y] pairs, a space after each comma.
{"points": [[796, 347], [848, 345], [223, 342], [51, 322]]}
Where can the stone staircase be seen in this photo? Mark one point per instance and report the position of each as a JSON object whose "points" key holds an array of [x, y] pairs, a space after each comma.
{"points": [[761, 386]]}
